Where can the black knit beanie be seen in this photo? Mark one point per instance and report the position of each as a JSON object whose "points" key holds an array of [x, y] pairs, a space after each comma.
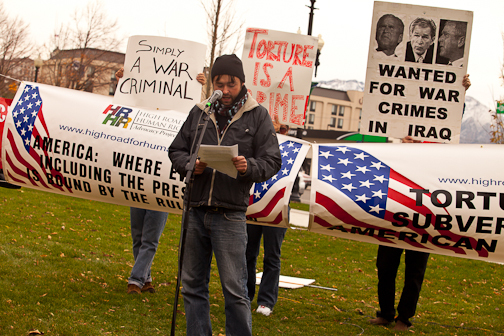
{"points": [[228, 65]]}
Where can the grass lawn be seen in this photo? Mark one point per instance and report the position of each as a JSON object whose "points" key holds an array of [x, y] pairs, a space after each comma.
{"points": [[64, 264]]}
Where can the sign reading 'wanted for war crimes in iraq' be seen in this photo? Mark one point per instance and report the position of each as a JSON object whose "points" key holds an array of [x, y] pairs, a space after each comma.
{"points": [[417, 59]]}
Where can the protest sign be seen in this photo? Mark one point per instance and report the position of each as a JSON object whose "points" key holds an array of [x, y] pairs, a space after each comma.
{"points": [[160, 73], [79, 144], [269, 200], [117, 154], [4, 105], [417, 58], [278, 70], [424, 197]]}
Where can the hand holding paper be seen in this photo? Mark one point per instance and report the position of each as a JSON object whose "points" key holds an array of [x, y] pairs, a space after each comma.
{"points": [[240, 164], [221, 158]]}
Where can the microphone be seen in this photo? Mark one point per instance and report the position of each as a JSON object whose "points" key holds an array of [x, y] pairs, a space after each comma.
{"points": [[216, 95]]}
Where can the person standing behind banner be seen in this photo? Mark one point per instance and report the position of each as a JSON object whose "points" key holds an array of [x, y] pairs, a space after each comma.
{"points": [[218, 202], [387, 263], [146, 229], [272, 240]]}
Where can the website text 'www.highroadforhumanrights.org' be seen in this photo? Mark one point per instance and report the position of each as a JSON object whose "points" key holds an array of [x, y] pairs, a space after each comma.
{"points": [[111, 137], [472, 181]]}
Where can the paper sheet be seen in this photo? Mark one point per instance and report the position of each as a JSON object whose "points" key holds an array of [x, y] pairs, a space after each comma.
{"points": [[219, 157], [287, 281]]}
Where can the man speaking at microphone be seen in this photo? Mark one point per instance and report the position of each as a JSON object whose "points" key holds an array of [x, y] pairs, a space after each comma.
{"points": [[218, 202]]}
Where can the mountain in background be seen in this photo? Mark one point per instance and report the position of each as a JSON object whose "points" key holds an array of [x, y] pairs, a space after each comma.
{"points": [[475, 123]]}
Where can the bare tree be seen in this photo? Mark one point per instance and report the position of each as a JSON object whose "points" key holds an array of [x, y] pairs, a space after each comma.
{"points": [[15, 46], [83, 52], [223, 30]]}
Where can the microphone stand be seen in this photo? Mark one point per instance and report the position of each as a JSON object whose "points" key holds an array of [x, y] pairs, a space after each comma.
{"points": [[185, 212]]}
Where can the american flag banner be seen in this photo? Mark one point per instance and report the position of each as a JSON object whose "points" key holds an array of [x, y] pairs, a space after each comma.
{"points": [[23, 163], [269, 200], [81, 145], [4, 106], [383, 194]]}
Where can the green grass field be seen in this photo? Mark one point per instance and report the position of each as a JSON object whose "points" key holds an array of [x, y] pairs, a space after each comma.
{"points": [[64, 264]]}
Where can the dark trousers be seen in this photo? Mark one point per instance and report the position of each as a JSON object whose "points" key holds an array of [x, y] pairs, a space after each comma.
{"points": [[272, 240], [388, 263]]}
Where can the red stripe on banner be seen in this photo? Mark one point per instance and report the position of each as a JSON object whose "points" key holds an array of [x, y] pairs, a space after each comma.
{"points": [[334, 209], [404, 180], [411, 203], [40, 116], [17, 171], [52, 171], [21, 160], [278, 219], [270, 206]]}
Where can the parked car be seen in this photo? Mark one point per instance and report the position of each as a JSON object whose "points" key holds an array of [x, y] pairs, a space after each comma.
{"points": [[306, 178], [301, 183]]}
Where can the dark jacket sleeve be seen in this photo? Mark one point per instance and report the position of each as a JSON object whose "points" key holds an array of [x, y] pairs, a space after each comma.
{"points": [[267, 160], [179, 151]]}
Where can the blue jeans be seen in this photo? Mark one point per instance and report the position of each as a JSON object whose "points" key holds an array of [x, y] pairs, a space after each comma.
{"points": [[224, 232], [146, 229], [273, 238]]}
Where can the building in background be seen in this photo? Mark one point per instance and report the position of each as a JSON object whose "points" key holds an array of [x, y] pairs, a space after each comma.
{"points": [[88, 69], [334, 110]]}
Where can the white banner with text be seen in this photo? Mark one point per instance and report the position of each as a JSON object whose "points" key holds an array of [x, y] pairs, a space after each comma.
{"points": [[444, 199]]}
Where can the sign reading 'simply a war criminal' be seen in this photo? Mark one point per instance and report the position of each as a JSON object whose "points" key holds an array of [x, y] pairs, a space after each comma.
{"points": [[160, 73]]}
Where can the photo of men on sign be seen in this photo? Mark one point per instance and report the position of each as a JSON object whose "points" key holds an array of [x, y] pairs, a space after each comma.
{"points": [[389, 34], [451, 44], [420, 47]]}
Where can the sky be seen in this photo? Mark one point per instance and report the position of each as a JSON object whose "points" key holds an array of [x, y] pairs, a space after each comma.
{"points": [[345, 27]]}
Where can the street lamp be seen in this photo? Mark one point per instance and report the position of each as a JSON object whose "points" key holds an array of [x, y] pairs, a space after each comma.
{"points": [[38, 62], [319, 51]]}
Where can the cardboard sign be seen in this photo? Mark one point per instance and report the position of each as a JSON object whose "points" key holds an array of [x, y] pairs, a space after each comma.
{"points": [[160, 73], [417, 58], [278, 70]]}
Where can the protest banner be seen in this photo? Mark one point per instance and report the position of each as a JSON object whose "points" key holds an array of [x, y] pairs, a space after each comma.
{"points": [[269, 200], [116, 154], [417, 58], [424, 197], [160, 73], [4, 106], [278, 69], [79, 144]]}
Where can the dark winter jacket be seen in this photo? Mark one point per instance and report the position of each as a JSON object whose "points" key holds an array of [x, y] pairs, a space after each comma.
{"points": [[251, 128]]}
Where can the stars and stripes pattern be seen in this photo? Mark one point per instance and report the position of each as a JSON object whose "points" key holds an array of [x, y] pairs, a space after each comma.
{"points": [[29, 123], [356, 188], [268, 198]]}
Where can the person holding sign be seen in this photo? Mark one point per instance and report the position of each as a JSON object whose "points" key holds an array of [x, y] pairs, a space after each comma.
{"points": [[387, 263], [389, 33], [272, 241], [218, 202], [146, 229], [420, 47]]}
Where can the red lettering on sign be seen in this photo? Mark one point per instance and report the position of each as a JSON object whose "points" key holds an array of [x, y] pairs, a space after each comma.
{"points": [[288, 74], [254, 39], [267, 82]]}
